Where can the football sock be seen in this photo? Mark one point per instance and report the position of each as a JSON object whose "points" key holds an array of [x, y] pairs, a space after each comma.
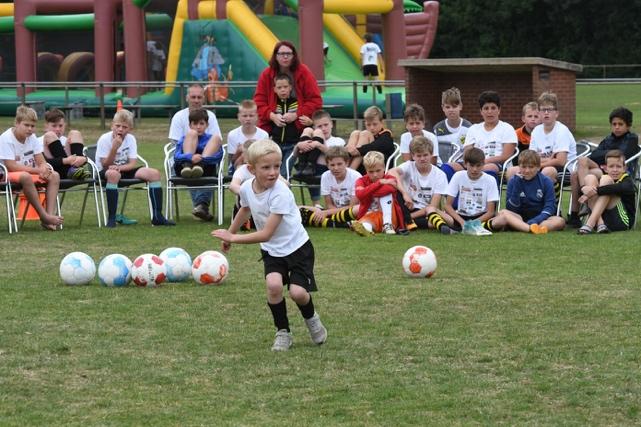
{"points": [[557, 190], [76, 148], [343, 216], [488, 225], [279, 313], [386, 208], [436, 220], [305, 138], [155, 192], [112, 201], [56, 149], [307, 310]]}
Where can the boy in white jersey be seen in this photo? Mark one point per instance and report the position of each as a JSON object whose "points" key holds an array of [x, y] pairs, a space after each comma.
{"points": [[116, 158], [453, 128], [477, 195], [552, 140], [64, 154], [21, 154], [422, 186], [287, 252], [370, 59], [414, 118], [338, 188], [248, 117], [496, 138]]}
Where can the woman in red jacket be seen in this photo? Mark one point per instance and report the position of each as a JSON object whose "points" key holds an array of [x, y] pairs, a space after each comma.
{"points": [[285, 60]]}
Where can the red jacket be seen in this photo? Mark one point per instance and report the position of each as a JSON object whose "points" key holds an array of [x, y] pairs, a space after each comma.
{"points": [[307, 93], [370, 190]]}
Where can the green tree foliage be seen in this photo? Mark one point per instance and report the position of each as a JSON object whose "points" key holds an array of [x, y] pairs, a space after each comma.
{"points": [[580, 31]]}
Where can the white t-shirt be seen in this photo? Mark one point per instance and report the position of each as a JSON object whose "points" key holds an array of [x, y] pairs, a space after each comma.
{"points": [[62, 139], [332, 141], [446, 133], [180, 125], [236, 138], [406, 138], [128, 150], [342, 192], [491, 142], [243, 174], [473, 195], [23, 153], [369, 53], [290, 233], [422, 188], [557, 141]]}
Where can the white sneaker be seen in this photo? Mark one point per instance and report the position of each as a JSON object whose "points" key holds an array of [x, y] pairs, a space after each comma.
{"points": [[388, 229], [283, 340], [480, 231], [317, 331]]}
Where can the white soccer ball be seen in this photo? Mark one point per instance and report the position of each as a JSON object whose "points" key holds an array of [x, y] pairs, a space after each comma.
{"points": [[77, 268], [419, 261], [148, 271], [178, 264], [114, 270], [210, 268]]}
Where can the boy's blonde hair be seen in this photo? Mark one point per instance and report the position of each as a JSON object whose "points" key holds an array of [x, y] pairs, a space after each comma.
{"points": [[124, 116], [24, 113], [335, 152], [548, 98], [261, 148], [532, 105], [372, 113], [529, 158], [415, 112], [247, 104], [451, 96], [372, 159], [420, 144]]}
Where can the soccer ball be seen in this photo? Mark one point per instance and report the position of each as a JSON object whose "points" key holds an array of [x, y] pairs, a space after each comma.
{"points": [[114, 270], [178, 264], [419, 261], [148, 271], [77, 268], [210, 268]]}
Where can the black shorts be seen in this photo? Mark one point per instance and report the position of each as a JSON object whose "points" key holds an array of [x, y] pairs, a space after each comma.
{"points": [[617, 219], [370, 70], [296, 268], [208, 170], [123, 175]]}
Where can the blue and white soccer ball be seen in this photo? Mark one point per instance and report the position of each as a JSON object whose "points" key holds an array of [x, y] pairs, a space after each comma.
{"points": [[77, 268], [178, 264], [114, 270]]}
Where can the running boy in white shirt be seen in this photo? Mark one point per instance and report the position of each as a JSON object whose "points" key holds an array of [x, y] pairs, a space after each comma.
{"points": [[414, 118], [338, 188], [422, 185], [477, 194], [248, 117], [287, 252], [21, 153]]}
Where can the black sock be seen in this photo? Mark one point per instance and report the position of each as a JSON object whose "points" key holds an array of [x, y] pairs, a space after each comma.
{"points": [[112, 202], [279, 313], [56, 149], [307, 310], [305, 138], [76, 148], [156, 201]]}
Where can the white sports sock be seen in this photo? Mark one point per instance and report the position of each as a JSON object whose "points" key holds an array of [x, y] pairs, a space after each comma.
{"points": [[386, 208]]}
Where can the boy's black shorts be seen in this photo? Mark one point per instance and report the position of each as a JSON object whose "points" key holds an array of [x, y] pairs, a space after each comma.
{"points": [[296, 268], [616, 218], [370, 70], [123, 175]]}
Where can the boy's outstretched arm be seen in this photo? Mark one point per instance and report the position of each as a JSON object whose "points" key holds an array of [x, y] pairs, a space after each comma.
{"points": [[229, 236]]}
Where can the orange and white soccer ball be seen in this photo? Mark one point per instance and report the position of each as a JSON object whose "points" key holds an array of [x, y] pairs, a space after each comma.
{"points": [[419, 261], [210, 268], [148, 271]]}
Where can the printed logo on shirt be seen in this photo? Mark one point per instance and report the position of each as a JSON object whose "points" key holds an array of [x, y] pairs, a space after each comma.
{"points": [[539, 193]]}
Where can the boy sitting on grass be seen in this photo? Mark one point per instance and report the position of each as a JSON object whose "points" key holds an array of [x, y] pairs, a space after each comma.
{"points": [[611, 199], [530, 200]]}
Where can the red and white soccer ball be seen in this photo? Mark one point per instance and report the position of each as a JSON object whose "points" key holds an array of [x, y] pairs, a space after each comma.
{"points": [[148, 271], [210, 268], [419, 261]]}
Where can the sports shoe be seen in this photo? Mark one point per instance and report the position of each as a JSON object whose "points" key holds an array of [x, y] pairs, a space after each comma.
{"points": [[161, 220], [201, 211], [388, 229], [445, 229], [305, 215], [197, 171], [585, 229], [411, 226], [474, 228], [538, 229], [79, 174], [186, 172], [574, 221], [121, 219], [360, 229], [283, 340], [317, 331]]}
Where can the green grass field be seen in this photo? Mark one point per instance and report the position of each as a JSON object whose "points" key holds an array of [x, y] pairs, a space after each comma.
{"points": [[513, 329]]}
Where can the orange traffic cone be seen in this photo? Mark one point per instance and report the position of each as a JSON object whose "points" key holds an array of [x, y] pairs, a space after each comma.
{"points": [[119, 105], [32, 214]]}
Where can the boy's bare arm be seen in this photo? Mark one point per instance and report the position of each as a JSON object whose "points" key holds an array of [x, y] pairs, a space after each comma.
{"points": [[449, 209], [13, 166], [491, 208], [229, 236], [558, 159]]}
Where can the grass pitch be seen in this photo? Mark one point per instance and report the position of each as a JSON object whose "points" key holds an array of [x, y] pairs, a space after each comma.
{"points": [[512, 329]]}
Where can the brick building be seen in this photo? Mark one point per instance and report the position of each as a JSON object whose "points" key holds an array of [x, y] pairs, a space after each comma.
{"points": [[517, 80]]}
